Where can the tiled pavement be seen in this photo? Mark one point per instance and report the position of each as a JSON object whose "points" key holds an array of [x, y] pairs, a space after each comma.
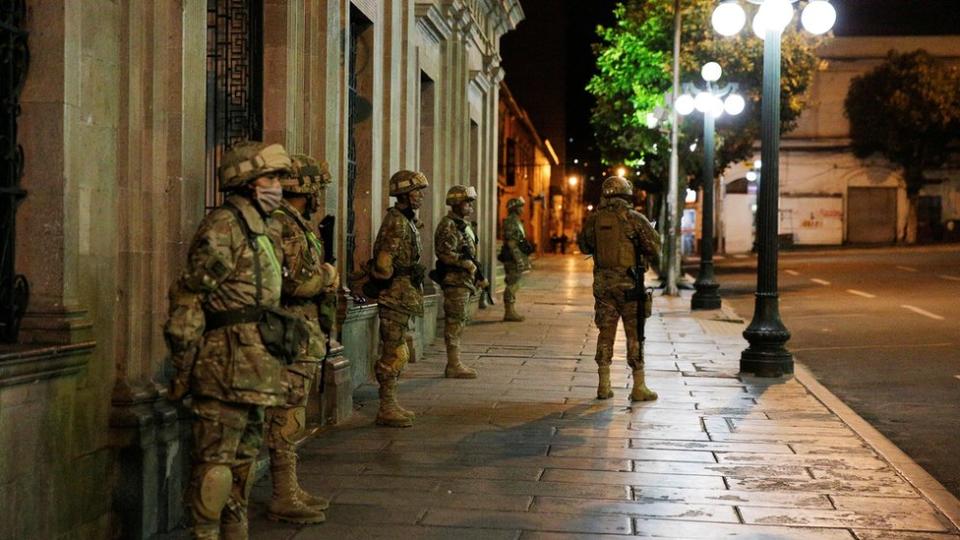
{"points": [[526, 452]]}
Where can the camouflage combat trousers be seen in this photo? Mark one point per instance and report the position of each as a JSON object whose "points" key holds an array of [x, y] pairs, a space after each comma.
{"points": [[456, 301], [287, 423], [512, 280], [394, 355], [226, 441], [609, 308]]}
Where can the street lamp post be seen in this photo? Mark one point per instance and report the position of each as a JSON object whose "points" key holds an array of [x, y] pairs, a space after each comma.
{"points": [[712, 102], [767, 355]]}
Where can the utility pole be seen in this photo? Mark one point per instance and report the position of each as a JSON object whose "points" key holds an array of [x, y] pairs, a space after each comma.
{"points": [[672, 245]]}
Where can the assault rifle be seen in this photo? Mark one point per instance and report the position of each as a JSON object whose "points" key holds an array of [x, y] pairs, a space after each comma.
{"points": [[326, 231], [486, 292]]}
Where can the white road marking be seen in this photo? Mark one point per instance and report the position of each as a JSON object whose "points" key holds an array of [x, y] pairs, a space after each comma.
{"points": [[820, 281], [923, 312], [792, 272], [861, 293], [907, 268], [951, 278]]}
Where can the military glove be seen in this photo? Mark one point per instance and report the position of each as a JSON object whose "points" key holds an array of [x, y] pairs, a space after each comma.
{"points": [[469, 267]]}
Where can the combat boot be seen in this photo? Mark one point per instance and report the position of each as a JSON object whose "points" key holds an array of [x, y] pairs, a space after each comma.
{"points": [[640, 391], [390, 413], [455, 368], [234, 531], [286, 504], [207, 531], [510, 313], [603, 386]]}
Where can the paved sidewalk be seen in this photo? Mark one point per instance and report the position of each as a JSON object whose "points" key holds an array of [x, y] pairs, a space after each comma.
{"points": [[526, 452]]}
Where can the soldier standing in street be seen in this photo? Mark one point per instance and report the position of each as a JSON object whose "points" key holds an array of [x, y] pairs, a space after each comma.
{"points": [[231, 278], [456, 246], [396, 263], [622, 242], [309, 289], [514, 257]]}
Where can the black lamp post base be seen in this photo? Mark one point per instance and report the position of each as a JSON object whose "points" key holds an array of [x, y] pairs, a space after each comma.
{"points": [[706, 297], [766, 363]]}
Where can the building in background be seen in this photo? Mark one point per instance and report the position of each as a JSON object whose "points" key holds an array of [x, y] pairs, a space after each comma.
{"points": [[827, 195], [126, 110], [527, 163]]}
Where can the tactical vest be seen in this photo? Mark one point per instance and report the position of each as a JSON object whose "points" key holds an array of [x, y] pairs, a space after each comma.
{"points": [[615, 249]]}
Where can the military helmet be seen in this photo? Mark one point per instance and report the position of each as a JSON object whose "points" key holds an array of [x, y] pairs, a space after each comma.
{"points": [[249, 160], [514, 203], [406, 181], [458, 194], [617, 186], [307, 176]]}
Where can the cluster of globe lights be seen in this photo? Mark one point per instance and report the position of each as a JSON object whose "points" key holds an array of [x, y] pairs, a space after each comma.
{"points": [[729, 17], [706, 101]]}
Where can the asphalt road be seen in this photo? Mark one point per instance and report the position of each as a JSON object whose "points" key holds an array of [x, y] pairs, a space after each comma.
{"points": [[881, 329]]}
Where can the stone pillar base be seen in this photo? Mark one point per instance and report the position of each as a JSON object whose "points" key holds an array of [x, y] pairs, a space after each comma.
{"points": [[152, 444], [335, 404], [59, 325]]}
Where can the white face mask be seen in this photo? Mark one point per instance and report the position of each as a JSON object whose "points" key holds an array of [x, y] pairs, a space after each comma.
{"points": [[269, 199]]}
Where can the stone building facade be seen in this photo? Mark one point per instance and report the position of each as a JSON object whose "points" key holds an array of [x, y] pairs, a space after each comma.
{"points": [[827, 195], [126, 108], [526, 163]]}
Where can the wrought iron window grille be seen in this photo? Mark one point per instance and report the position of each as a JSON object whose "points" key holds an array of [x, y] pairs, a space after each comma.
{"points": [[14, 62]]}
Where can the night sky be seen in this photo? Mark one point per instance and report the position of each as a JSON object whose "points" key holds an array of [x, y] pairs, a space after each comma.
{"points": [[548, 59]]}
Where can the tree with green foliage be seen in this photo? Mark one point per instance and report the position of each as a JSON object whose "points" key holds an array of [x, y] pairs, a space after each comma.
{"points": [[907, 109], [634, 62]]}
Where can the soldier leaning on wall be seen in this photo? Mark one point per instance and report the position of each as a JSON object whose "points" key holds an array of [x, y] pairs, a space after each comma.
{"points": [[226, 351]]}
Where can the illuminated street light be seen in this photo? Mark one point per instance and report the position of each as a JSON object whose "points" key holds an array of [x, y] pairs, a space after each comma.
{"points": [[712, 102], [751, 176], [573, 180], [767, 355], [621, 171]]}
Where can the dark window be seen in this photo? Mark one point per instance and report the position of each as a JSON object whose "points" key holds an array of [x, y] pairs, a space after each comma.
{"points": [[14, 59], [234, 81]]}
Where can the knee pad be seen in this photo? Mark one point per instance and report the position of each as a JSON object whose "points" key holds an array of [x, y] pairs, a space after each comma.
{"points": [[212, 490]]}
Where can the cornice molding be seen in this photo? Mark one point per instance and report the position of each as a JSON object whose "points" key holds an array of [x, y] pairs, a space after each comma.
{"points": [[432, 21]]}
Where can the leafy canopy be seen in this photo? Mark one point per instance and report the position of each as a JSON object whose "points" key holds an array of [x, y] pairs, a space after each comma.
{"points": [[634, 64], [908, 110]]}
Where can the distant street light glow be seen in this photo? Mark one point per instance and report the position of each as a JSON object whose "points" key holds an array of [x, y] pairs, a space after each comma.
{"points": [[573, 180], [684, 104], [711, 72], [621, 171], [734, 104], [703, 102], [757, 163], [751, 176], [818, 17], [652, 120], [728, 18]]}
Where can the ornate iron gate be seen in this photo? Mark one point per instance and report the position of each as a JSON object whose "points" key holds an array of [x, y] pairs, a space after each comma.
{"points": [[14, 59], [234, 81]]}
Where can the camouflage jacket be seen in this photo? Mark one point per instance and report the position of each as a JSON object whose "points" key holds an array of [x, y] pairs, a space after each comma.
{"points": [[307, 283], [399, 236], [454, 238], [231, 363], [513, 236], [634, 229]]}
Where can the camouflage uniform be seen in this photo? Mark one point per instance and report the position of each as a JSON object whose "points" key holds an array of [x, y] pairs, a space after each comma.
{"points": [[612, 235], [515, 262], [226, 366], [455, 244], [396, 253], [307, 283]]}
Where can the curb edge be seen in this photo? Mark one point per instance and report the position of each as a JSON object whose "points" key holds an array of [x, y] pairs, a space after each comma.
{"points": [[914, 474]]}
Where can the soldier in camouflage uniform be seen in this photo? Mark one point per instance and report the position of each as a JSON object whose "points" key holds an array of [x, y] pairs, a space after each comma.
{"points": [[613, 235], [396, 257], [514, 258], [456, 246], [232, 274], [309, 289]]}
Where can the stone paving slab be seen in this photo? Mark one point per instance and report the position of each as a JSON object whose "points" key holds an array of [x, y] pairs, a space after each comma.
{"points": [[525, 452]]}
